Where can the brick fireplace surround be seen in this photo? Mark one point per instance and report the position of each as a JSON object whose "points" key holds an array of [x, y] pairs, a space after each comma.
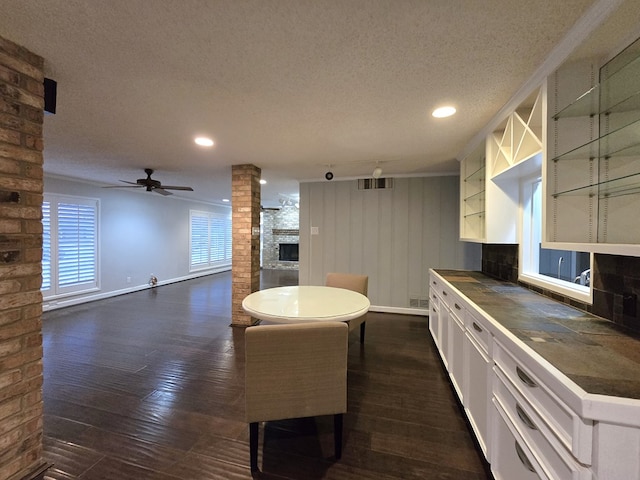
{"points": [[21, 184]]}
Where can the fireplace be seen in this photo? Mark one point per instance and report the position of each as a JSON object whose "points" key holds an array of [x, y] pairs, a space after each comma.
{"points": [[288, 252]]}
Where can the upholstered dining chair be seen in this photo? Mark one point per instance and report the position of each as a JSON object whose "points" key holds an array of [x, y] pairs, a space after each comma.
{"points": [[294, 371], [357, 283]]}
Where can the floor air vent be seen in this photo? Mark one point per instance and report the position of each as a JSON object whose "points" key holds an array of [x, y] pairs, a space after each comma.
{"points": [[374, 183]]}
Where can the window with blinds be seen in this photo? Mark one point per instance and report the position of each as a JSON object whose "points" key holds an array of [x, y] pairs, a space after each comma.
{"points": [[70, 244], [210, 240]]}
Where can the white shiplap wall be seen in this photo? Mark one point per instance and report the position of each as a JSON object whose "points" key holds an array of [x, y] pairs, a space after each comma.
{"points": [[393, 235]]}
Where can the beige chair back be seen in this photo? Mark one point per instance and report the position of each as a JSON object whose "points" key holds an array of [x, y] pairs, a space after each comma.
{"points": [[349, 281], [295, 370]]}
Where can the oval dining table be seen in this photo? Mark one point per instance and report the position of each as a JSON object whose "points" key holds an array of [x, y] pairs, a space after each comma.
{"points": [[305, 303]]}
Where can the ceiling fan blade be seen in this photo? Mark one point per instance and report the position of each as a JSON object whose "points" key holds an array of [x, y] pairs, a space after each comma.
{"points": [[122, 186], [130, 183], [173, 187], [162, 191]]}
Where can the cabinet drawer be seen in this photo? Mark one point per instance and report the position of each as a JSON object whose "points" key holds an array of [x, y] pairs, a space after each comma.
{"points": [[511, 459], [551, 456], [435, 285], [478, 330], [565, 424]]}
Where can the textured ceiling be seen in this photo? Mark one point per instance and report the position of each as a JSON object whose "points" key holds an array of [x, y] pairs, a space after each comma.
{"points": [[296, 87]]}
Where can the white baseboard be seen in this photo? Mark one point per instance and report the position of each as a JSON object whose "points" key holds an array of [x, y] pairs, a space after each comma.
{"points": [[54, 303], [63, 302], [400, 310]]}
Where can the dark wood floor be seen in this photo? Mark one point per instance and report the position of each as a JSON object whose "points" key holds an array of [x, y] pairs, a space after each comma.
{"points": [[149, 385]]}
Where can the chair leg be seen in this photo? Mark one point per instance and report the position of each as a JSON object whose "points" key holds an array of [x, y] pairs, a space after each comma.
{"points": [[337, 434], [362, 332], [253, 446]]}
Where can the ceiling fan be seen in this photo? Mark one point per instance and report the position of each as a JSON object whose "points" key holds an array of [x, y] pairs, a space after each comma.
{"points": [[151, 185]]}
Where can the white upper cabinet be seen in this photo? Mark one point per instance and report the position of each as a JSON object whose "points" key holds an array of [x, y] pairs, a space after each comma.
{"points": [[592, 171], [489, 176]]}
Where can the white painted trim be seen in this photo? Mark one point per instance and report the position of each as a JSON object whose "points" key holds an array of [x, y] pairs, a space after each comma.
{"points": [[400, 310], [585, 26], [56, 303], [455, 173]]}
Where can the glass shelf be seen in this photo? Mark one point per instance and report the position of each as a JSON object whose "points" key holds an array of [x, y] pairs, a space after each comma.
{"points": [[593, 101], [476, 197], [475, 215], [478, 175], [622, 142], [586, 104], [627, 185]]}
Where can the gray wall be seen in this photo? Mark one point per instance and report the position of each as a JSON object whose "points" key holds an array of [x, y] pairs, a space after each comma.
{"points": [[141, 233], [393, 235]]}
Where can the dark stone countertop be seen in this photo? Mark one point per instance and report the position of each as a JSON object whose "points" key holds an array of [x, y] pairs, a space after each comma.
{"points": [[600, 356]]}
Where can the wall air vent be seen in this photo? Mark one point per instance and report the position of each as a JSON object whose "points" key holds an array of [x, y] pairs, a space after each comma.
{"points": [[419, 302], [374, 183]]}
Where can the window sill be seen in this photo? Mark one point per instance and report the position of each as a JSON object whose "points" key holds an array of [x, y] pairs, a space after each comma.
{"points": [[574, 291]]}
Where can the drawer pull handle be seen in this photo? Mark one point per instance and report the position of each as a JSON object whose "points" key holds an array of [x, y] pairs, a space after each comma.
{"points": [[434, 282], [434, 310], [523, 458], [444, 293], [458, 307], [525, 418], [477, 327], [526, 379]]}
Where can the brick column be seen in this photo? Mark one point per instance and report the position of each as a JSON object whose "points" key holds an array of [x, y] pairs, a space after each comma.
{"points": [[21, 118], [245, 270]]}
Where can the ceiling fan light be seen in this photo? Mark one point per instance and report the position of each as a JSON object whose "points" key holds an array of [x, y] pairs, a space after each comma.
{"points": [[377, 172]]}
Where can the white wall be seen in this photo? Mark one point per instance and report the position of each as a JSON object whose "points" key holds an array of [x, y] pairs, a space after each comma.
{"points": [[141, 233], [393, 235]]}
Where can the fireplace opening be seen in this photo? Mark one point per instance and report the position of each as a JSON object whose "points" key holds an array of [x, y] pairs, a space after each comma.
{"points": [[288, 252]]}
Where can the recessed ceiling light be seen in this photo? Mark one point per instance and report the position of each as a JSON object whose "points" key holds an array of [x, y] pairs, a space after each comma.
{"points": [[226, 200], [443, 112], [263, 181], [204, 141]]}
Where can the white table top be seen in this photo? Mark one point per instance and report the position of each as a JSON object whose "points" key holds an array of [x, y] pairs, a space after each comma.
{"points": [[305, 303]]}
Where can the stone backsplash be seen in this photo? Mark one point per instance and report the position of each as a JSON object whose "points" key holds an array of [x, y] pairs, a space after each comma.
{"points": [[615, 280]]}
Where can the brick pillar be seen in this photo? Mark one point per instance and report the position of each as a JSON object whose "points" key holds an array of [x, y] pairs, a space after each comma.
{"points": [[245, 270], [21, 118]]}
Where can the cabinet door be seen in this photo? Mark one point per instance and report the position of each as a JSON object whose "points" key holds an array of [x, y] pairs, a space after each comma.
{"points": [[511, 459], [477, 393], [456, 352], [434, 318], [444, 335], [472, 195]]}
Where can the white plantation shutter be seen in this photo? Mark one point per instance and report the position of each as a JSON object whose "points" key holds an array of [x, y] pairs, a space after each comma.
{"points": [[76, 244], [210, 239], [218, 233], [46, 246], [199, 240], [70, 244]]}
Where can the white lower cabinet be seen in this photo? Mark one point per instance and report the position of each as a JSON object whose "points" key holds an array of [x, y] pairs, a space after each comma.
{"points": [[511, 459], [456, 350], [559, 419], [547, 456], [444, 334], [477, 393], [434, 318], [530, 420]]}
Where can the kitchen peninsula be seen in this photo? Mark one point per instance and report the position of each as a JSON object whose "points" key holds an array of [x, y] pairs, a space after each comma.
{"points": [[550, 391]]}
